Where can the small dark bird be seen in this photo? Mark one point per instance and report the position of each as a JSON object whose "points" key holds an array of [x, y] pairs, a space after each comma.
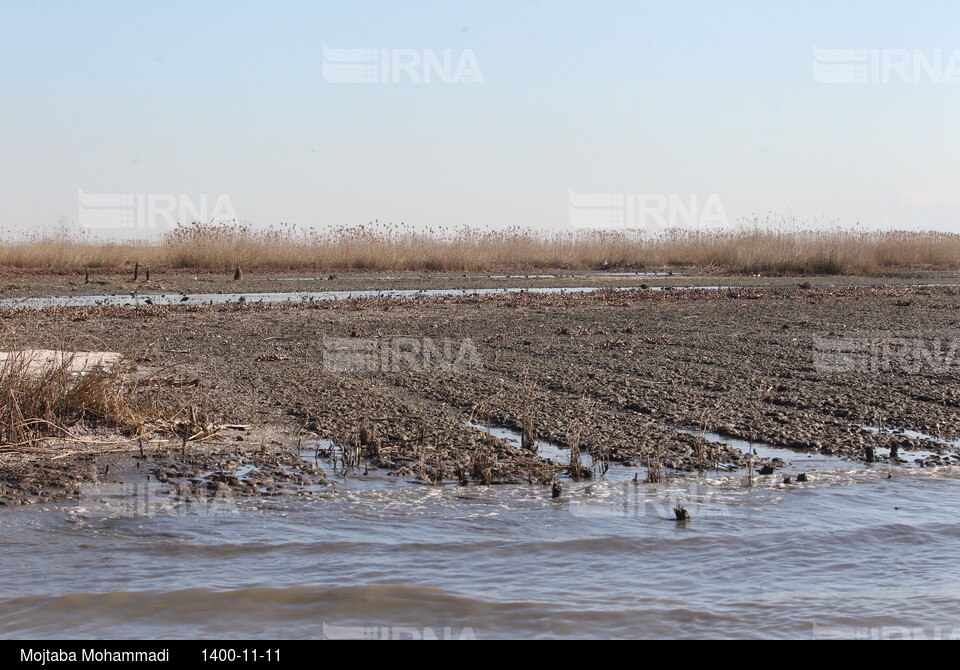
{"points": [[148, 301], [184, 299]]}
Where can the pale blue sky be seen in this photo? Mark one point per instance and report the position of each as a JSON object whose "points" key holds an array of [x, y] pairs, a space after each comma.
{"points": [[613, 96]]}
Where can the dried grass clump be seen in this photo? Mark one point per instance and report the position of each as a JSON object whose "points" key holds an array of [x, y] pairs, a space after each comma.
{"points": [[50, 399]]}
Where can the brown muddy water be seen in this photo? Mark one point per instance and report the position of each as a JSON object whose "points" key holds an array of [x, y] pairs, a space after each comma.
{"points": [[849, 553]]}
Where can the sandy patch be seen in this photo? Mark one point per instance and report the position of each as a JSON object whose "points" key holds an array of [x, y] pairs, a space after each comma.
{"points": [[35, 361]]}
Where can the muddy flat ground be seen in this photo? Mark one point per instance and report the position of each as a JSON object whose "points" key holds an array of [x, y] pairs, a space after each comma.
{"points": [[809, 367], [36, 283]]}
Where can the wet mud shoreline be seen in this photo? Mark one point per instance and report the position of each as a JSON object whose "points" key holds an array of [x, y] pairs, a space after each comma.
{"points": [[640, 378]]}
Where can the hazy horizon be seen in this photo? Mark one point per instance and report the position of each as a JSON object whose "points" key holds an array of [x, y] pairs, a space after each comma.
{"points": [[320, 115]]}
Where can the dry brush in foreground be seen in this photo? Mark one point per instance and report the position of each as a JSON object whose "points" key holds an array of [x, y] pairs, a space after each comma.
{"points": [[57, 398]]}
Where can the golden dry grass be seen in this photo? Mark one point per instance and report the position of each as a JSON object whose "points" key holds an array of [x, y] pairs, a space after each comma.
{"points": [[45, 398], [57, 398], [749, 249]]}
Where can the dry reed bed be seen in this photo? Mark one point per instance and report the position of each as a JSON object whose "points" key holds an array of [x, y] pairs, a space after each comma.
{"points": [[749, 249]]}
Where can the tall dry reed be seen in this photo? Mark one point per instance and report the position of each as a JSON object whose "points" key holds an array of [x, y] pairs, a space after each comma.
{"points": [[753, 248]]}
